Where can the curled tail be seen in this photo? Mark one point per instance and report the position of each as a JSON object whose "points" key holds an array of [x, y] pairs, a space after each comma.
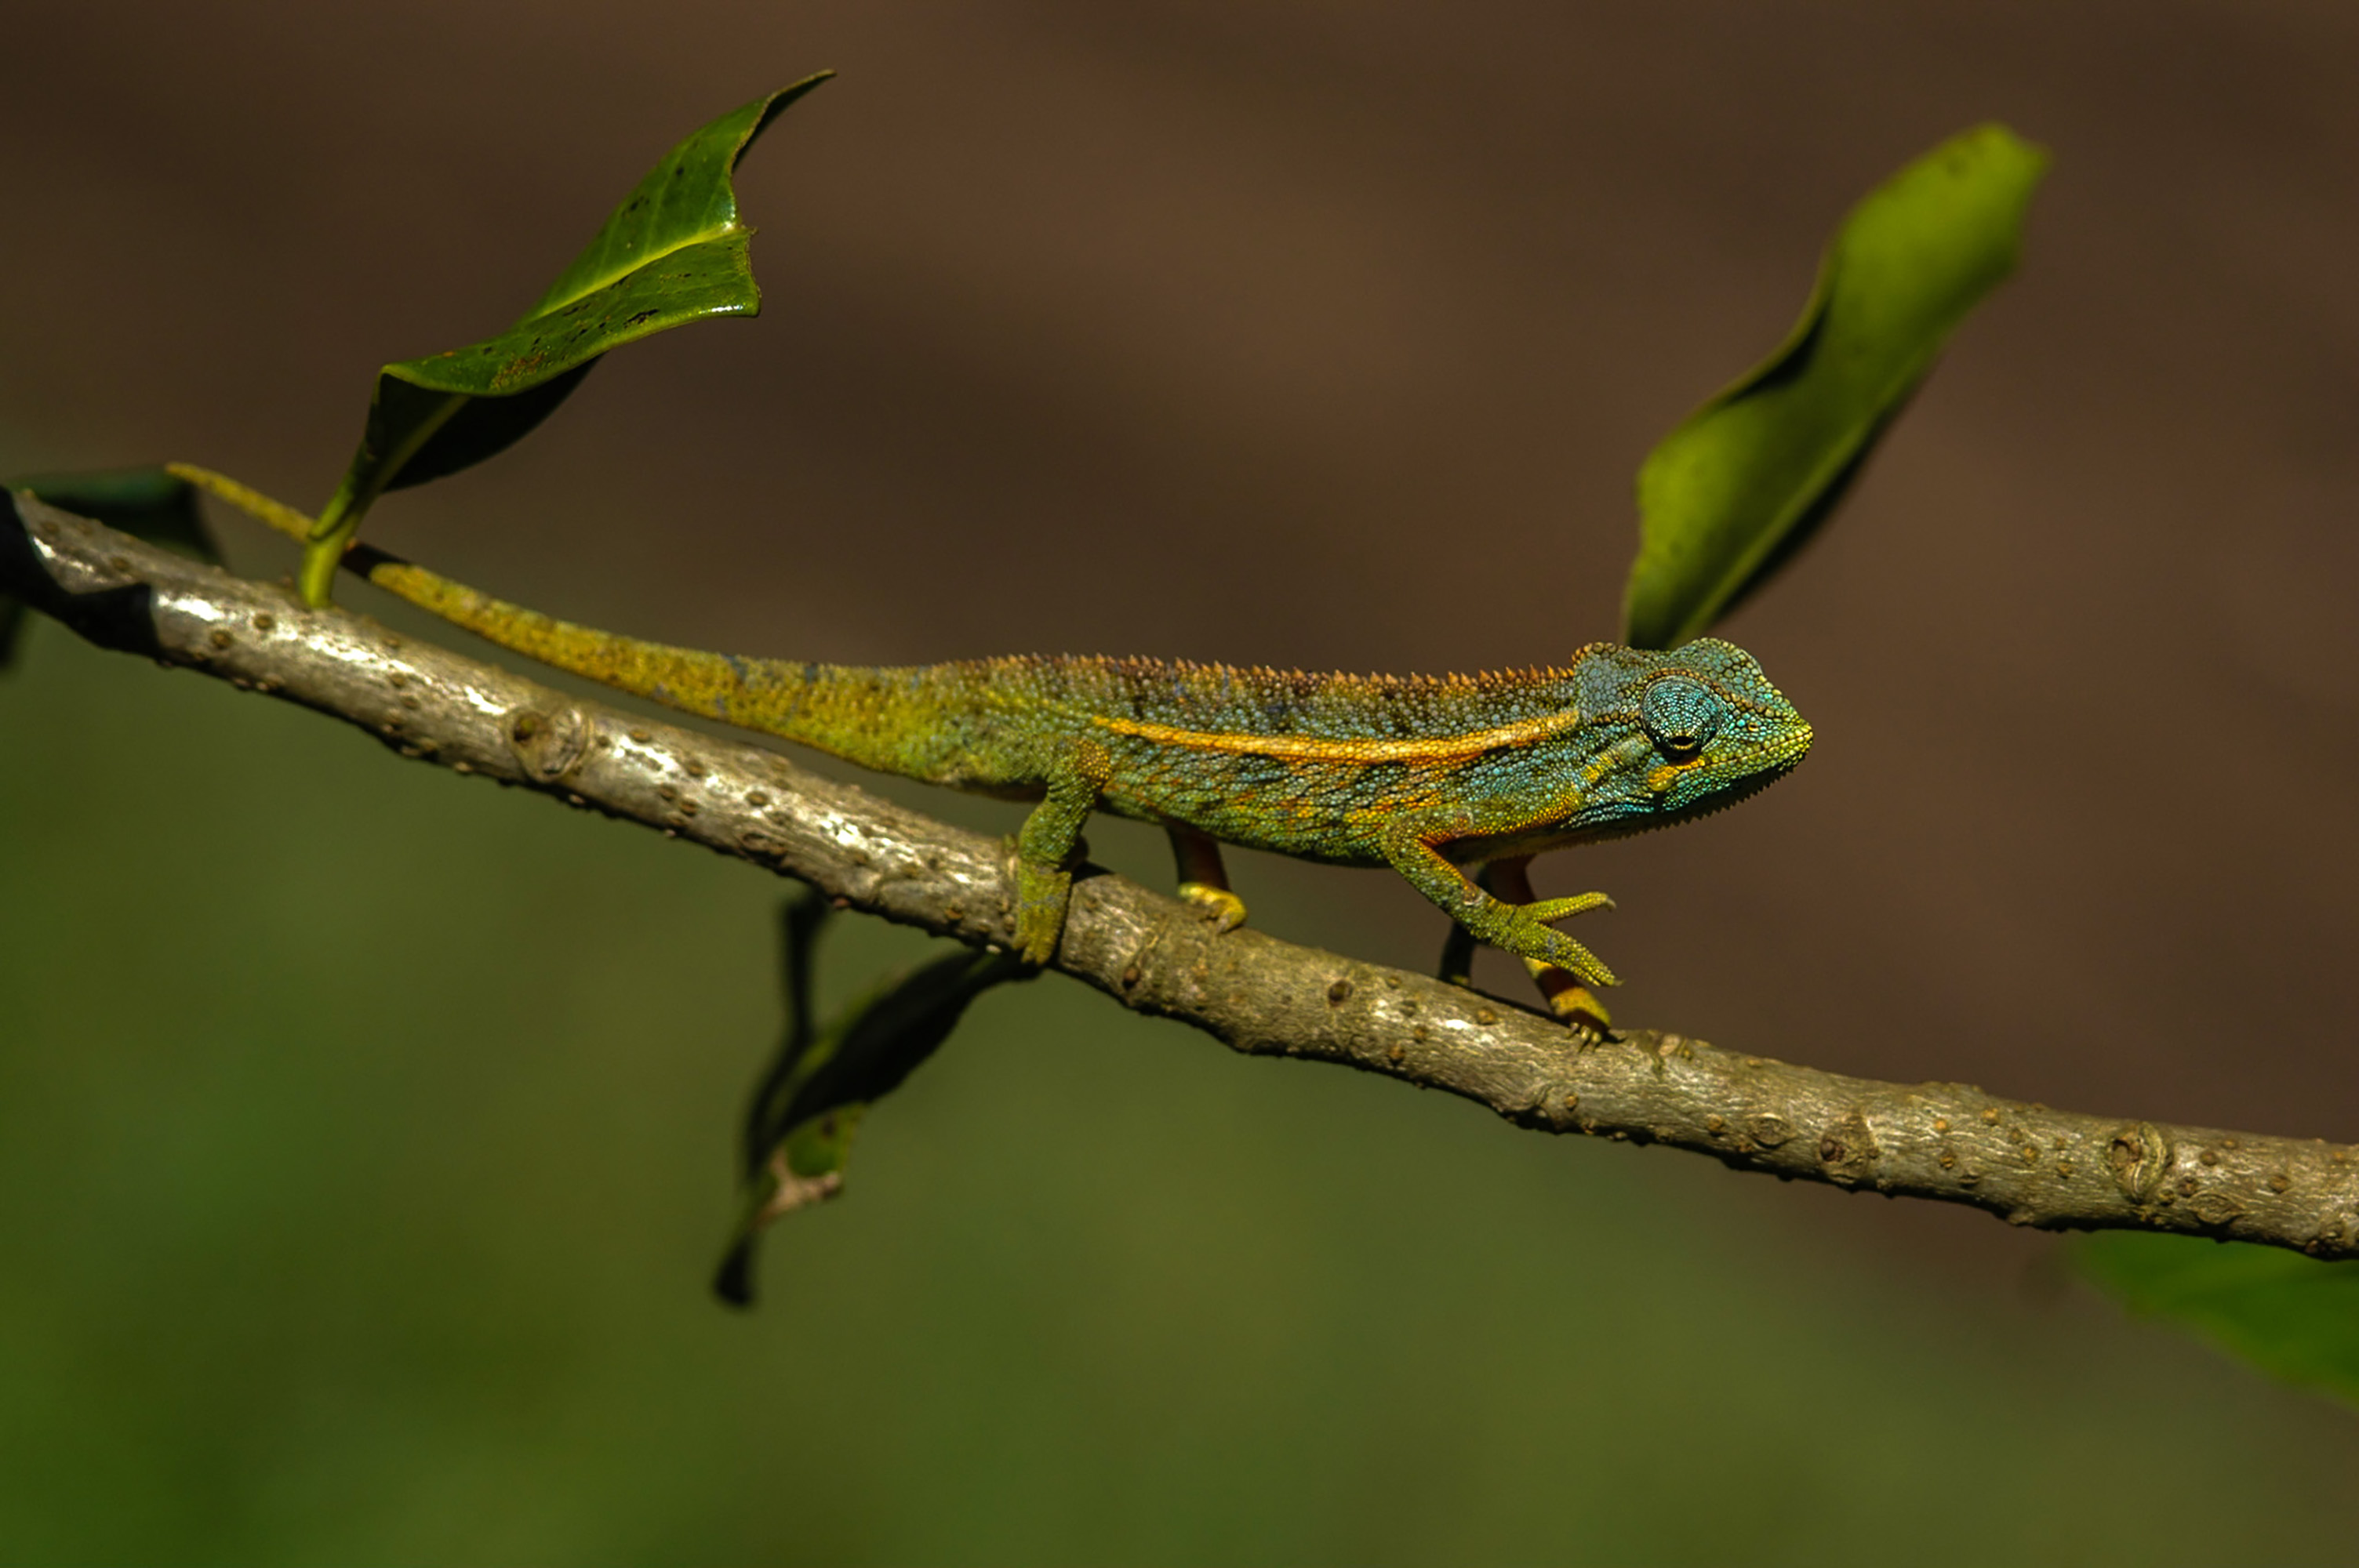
{"points": [[887, 719]]}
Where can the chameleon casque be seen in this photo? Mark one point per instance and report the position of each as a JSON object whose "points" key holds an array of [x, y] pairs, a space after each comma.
{"points": [[1429, 775]]}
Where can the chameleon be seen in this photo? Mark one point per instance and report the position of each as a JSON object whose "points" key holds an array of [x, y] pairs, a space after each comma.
{"points": [[1429, 775]]}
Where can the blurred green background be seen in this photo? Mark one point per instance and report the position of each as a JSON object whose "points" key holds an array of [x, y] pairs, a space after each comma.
{"points": [[364, 1130]]}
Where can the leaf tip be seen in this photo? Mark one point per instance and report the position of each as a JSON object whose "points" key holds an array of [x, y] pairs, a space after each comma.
{"points": [[778, 103]]}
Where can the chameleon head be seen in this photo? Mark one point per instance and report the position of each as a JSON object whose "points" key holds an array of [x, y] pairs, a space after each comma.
{"points": [[1694, 730]]}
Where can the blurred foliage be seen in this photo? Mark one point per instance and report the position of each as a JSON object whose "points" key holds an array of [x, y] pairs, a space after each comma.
{"points": [[1730, 495], [808, 1107], [2294, 1317], [674, 252]]}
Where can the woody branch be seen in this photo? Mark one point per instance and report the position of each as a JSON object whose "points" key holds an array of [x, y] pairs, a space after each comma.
{"points": [[1949, 1142]]}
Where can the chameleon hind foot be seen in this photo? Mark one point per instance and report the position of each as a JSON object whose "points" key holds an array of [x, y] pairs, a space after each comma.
{"points": [[1204, 880], [1224, 909], [1569, 999]]}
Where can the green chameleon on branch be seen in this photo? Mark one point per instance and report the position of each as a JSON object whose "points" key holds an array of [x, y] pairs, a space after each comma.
{"points": [[1429, 775], [1455, 781]]}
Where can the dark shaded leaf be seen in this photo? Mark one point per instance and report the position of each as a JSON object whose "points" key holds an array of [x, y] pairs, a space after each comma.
{"points": [[674, 251], [149, 504], [808, 1107], [1731, 495], [2294, 1317], [146, 502]]}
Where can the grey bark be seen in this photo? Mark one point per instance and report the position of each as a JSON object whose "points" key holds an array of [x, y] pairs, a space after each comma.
{"points": [[1952, 1143]]}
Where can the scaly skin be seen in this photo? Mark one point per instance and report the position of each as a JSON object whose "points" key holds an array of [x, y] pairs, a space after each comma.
{"points": [[1424, 775]]}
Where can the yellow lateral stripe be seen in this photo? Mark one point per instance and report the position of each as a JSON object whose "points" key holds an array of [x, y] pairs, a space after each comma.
{"points": [[1311, 748]]}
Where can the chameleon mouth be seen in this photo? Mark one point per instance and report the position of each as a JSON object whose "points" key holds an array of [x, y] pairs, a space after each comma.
{"points": [[1717, 786], [1750, 774]]}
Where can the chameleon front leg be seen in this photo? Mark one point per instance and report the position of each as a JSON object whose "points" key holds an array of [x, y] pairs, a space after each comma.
{"points": [[1412, 846], [1046, 846], [1566, 996], [1203, 880]]}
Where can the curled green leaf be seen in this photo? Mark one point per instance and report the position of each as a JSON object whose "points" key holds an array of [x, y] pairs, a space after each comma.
{"points": [[675, 251], [1731, 495], [2294, 1317], [808, 1104]]}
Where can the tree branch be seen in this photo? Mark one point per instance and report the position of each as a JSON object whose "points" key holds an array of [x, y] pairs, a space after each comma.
{"points": [[1947, 1141]]}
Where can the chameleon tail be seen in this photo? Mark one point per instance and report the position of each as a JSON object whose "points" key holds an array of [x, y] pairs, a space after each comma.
{"points": [[687, 679], [856, 713]]}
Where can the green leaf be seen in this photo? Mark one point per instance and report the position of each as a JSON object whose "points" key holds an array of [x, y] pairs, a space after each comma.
{"points": [[2294, 1317], [674, 251], [150, 503], [146, 502], [808, 1104], [1729, 496]]}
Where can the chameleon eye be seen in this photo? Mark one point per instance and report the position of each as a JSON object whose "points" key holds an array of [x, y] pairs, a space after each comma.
{"points": [[1681, 714]]}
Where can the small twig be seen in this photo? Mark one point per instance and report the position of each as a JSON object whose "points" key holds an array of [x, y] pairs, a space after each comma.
{"points": [[1947, 1141]]}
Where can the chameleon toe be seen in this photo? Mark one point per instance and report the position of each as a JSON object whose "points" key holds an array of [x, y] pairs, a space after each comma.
{"points": [[1225, 909]]}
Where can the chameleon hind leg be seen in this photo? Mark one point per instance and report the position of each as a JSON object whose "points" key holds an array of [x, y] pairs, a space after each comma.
{"points": [[1412, 845], [1204, 880], [1048, 845]]}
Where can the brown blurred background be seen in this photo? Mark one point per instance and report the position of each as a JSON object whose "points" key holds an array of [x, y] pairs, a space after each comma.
{"points": [[1299, 333]]}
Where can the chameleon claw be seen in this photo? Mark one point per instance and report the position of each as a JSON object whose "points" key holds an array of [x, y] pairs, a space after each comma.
{"points": [[1578, 961], [1531, 937], [1523, 935], [1572, 1003], [1553, 909], [1224, 909], [1036, 939]]}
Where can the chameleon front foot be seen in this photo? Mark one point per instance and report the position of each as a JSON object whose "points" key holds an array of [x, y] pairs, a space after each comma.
{"points": [[1048, 845], [1522, 930], [1042, 896], [1575, 1003], [1224, 909], [1568, 1001], [1497, 907]]}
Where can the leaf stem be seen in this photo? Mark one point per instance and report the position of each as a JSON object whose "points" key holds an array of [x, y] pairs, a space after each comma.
{"points": [[275, 514]]}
